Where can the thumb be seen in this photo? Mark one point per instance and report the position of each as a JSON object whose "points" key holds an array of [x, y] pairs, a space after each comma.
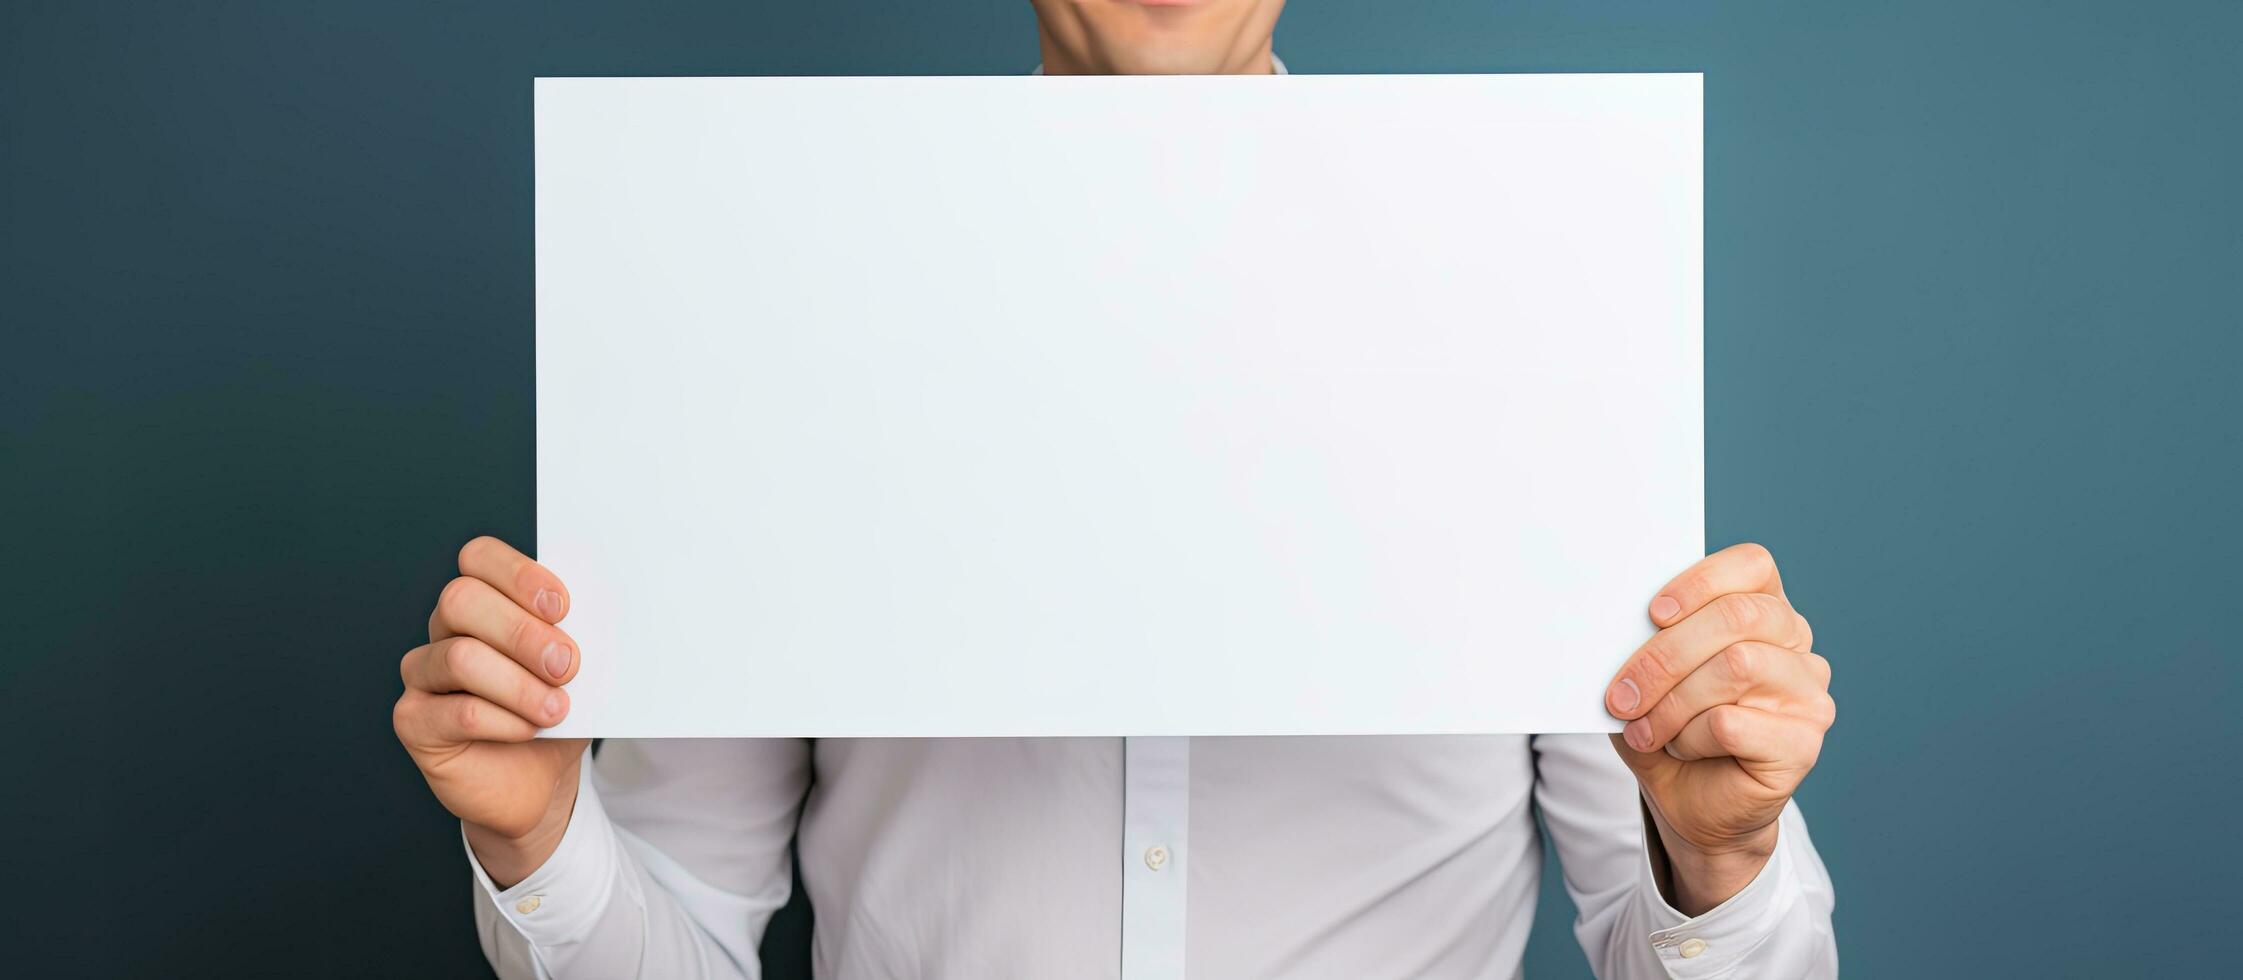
{"points": [[1643, 763]]}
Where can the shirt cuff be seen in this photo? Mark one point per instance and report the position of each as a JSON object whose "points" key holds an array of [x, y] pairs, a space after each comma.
{"points": [[1716, 943], [560, 901]]}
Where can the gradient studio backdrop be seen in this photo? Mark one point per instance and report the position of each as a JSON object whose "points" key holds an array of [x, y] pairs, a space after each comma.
{"points": [[1972, 348]]}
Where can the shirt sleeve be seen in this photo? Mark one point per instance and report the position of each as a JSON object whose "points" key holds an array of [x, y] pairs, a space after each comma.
{"points": [[616, 899], [1778, 925]]}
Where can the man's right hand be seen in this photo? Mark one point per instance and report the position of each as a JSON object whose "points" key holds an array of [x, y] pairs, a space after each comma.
{"points": [[475, 696]]}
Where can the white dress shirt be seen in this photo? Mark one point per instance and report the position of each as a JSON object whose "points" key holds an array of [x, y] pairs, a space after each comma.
{"points": [[1137, 858]]}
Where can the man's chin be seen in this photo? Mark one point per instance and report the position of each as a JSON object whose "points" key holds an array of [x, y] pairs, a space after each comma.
{"points": [[1154, 60]]}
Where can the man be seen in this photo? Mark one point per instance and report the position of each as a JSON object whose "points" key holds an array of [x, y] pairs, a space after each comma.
{"points": [[1142, 858]]}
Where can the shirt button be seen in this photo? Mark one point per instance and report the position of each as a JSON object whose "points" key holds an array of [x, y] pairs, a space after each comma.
{"points": [[1156, 857], [528, 905], [1692, 947]]}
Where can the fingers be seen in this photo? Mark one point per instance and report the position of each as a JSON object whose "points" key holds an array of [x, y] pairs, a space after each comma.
{"points": [[1764, 740], [425, 720], [1756, 675], [472, 607], [494, 657], [463, 664], [1744, 567], [1677, 651], [531, 585]]}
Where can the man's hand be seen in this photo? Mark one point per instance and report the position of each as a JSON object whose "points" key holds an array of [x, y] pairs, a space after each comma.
{"points": [[1726, 707], [475, 696]]}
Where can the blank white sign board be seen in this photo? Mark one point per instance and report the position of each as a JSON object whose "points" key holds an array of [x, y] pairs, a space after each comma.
{"points": [[1114, 406]]}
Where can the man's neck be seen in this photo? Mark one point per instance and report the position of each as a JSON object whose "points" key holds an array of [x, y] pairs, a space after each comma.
{"points": [[1255, 59]]}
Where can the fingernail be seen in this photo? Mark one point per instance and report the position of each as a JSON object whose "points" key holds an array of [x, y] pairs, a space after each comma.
{"points": [[1638, 734], [553, 705], [1664, 607], [556, 660], [548, 603], [1624, 695]]}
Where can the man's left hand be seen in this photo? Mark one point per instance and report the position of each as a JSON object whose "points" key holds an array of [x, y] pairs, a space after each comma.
{"points": [[1726, 707]]}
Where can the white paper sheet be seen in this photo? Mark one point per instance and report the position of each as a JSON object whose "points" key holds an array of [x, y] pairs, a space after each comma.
{"points": [[1102, 406]]}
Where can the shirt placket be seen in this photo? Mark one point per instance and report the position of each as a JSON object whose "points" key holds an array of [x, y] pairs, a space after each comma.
{"points": [[1156, 802]]}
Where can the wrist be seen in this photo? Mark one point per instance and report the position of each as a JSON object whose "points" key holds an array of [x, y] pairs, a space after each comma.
{"points": [[509, 858], [1705, 879], [1695, 878]]}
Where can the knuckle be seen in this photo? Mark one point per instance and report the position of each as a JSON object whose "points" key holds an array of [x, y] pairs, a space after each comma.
{"points": [[1739, 612], [1743, 661], [469, 720], [1726, 723], [479, 545], [458, 655], [1655, 666], [451, 602], [1818, 665], [1756, 557], [1826, 710], [1667, 722], [524, 634], [401, 715], [527, 580]]}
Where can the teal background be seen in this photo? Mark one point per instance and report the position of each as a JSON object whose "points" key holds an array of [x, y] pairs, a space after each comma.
{"points": [[1972, 351]]}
